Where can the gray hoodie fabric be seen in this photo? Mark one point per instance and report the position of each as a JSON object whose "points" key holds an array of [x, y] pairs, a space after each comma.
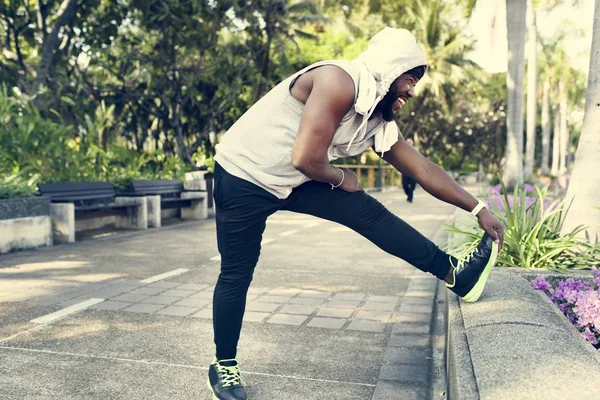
{"points": [[258, 147]]}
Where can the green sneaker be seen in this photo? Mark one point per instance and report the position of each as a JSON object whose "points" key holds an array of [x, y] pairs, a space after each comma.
{"points": [[224, 380], [471, 275]]}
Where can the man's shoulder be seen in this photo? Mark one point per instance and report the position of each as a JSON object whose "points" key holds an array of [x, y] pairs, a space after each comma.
{"points": [[337, 73]]}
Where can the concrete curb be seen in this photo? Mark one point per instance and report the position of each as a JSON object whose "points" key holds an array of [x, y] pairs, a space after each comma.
{"points": [[413, 361], [515, 344]]}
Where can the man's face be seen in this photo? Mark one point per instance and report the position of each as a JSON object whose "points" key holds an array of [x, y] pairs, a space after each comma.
{"points": [[401, 90]]}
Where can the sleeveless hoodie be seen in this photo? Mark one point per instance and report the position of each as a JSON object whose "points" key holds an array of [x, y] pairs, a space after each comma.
{"points": [[258, 147]]}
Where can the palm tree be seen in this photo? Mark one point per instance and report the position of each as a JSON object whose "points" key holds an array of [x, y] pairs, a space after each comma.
{"points": [[282, 23], [564, 129], [555, 142], [546, 125], [532, 73], [516, 28], [584, 188], [556, 69], [445, 47], [532, 77]]}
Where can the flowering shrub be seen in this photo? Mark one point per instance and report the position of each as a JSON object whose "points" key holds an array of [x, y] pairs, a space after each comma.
{"points": [[579, 301], [532, 238], [501, 202]]}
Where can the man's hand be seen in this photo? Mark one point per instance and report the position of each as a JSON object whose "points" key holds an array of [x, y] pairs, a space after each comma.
{"points": [[351, 182], [492, 226]]}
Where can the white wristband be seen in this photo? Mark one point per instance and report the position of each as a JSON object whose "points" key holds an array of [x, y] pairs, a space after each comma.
{"points": [[342, 181], [480, 206]]}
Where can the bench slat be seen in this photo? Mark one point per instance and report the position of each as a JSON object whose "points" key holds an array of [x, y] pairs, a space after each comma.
{"points": [[157, 187], [78, 191], [102, 207]]}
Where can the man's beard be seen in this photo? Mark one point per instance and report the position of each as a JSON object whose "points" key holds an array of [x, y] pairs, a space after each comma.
{"points": [[386, 106]]}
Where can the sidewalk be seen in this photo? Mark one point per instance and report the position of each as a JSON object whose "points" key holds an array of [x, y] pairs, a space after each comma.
{"points": [[329, 315]]}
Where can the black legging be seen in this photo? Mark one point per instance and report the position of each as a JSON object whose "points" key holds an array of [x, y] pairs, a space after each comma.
{"points": [[242, 209]]}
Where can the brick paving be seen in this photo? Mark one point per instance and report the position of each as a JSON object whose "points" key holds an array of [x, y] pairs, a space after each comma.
{"points": [[364, 326]]}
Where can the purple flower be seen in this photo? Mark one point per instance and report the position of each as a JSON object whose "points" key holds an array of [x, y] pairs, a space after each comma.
{"points": [[587, 308], [540, 283], [589, 336], [596, 273], [547, 204], [564, 307], [571, 296], [529, 188]]}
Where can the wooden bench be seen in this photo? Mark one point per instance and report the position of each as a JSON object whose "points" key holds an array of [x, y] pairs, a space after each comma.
{"points": [[169, 194], [85, 200]]}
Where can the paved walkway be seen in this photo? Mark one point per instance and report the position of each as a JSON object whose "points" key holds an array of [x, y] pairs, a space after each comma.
{"points": [[329, 316]]}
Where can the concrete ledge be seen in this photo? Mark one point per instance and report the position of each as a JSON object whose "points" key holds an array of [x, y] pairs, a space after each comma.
{"points": [[198, 208], [136, 217], [63, 222], [25, 233], [154, 211], [25, 224], [195, 180], [24, 207], [515, 344]]}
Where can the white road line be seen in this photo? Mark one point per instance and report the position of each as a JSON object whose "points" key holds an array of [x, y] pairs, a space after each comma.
{"points": [[35, 328], [312, 225], [66, 311], [266, 241], [179, 365], [288, 233], [166, 275], [216, 258]]}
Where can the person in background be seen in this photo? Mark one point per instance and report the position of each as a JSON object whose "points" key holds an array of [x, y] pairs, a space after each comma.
{"points": [[408, 183]]}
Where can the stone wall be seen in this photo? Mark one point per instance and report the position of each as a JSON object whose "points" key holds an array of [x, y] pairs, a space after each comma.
{"points": [[25, 223], [513, 343]]}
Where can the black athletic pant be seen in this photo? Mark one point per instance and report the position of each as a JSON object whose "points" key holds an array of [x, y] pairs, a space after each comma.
{"points": [[241, 211], [408, 184]]}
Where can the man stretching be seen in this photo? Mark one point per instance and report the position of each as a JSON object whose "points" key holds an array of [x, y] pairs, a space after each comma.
{"points": [[277, 157]]}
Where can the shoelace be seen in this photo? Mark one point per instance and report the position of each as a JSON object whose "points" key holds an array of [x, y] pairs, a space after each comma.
{"points": [[230, 375], [463, 260]]}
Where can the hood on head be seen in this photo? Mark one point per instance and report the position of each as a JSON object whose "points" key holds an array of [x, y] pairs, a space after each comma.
{"points": [[390, 53]]}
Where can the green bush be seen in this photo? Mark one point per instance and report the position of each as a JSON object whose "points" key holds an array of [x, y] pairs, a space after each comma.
{"points": [[14, 187], [495, 180], [531, 235], [39, 150]]}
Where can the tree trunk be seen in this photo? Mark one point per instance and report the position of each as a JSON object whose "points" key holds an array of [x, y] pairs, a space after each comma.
{"points": [[545, 126], [265, 64], [182, 149], [516, 28], [41, 18], [555, 142], [67, 13], [564, 130], [531, 94], [584, 188], [264, 71]]}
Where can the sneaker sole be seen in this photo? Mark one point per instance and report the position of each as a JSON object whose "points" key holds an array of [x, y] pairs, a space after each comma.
{"points": [[477, 290], [208, 385]]}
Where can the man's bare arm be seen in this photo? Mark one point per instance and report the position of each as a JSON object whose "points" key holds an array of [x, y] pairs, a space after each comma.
{"points": [[436, 182], [331, 97], [430, 176]]}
